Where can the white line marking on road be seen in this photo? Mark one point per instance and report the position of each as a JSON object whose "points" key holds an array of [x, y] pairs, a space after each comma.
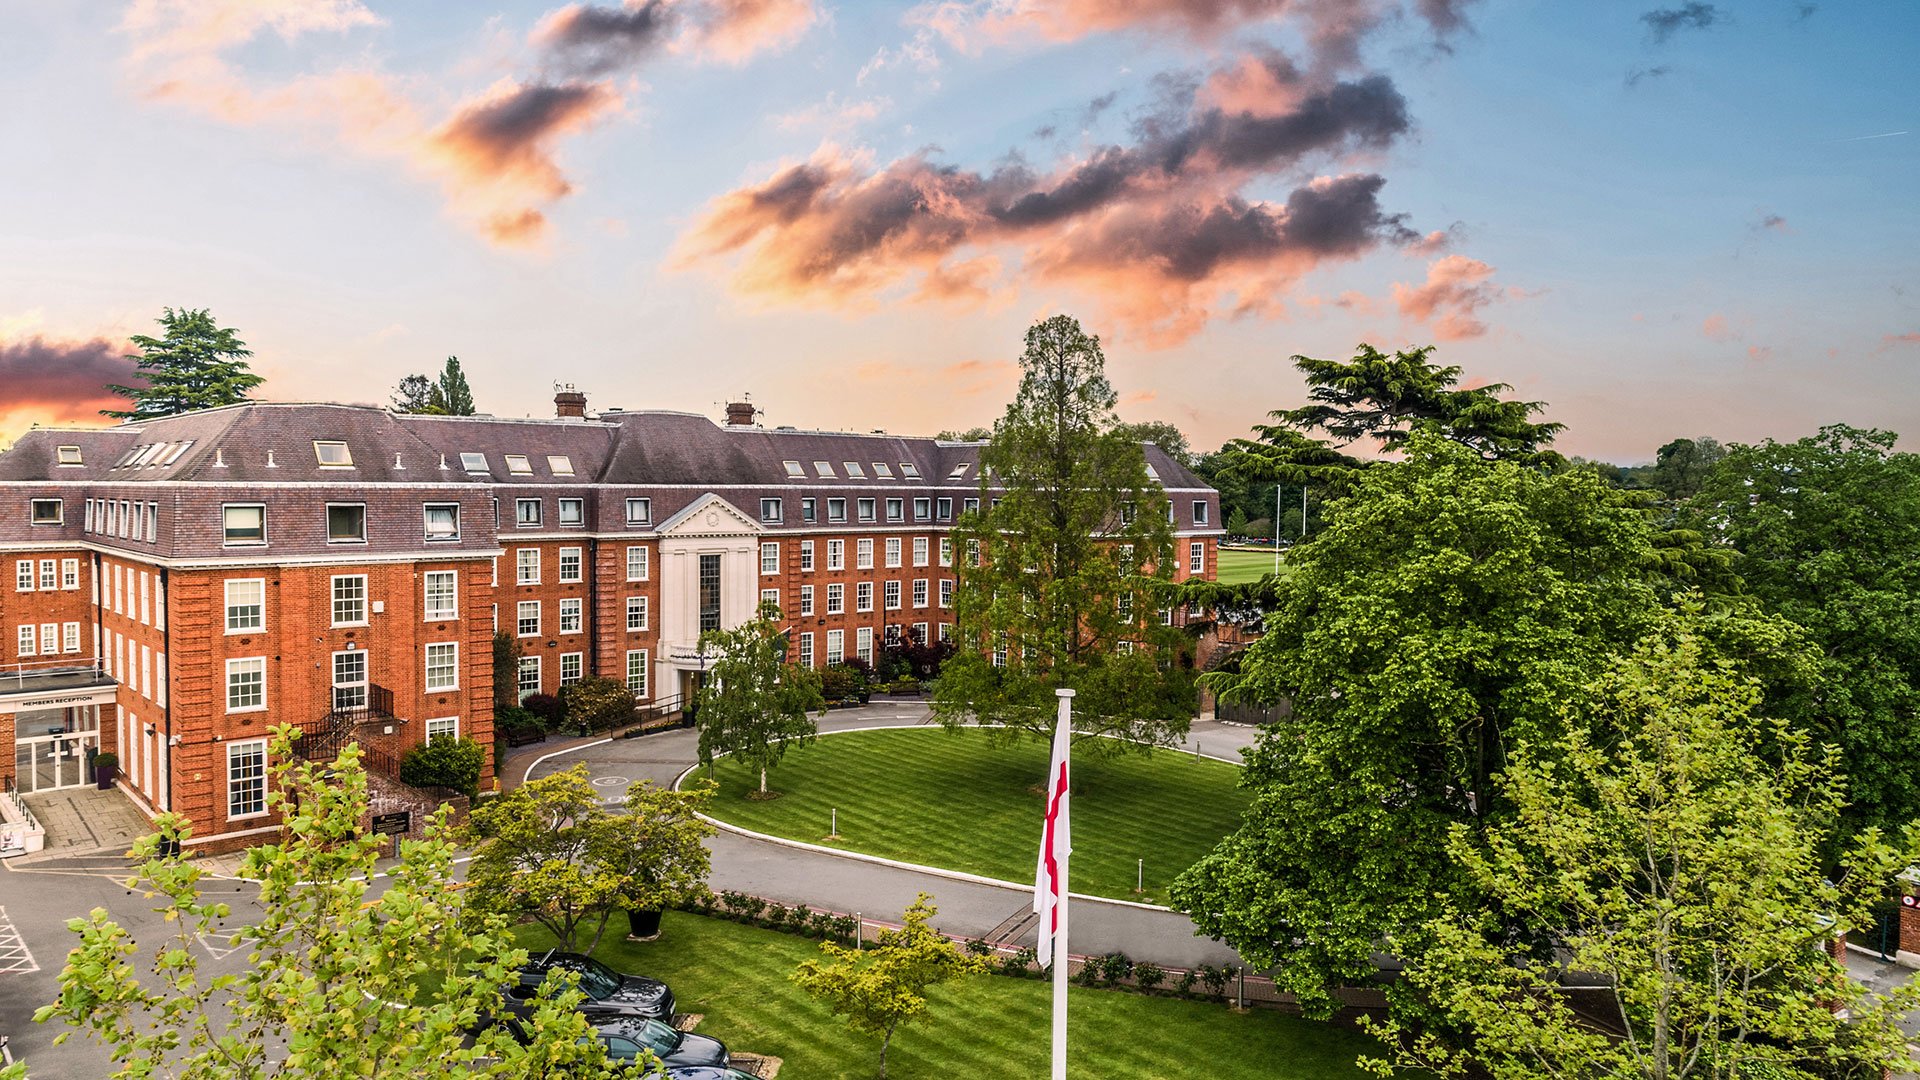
{"points": [[220, 952], [15, 958]]}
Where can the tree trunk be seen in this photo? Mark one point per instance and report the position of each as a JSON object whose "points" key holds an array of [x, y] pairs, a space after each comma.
{"points": [[763, 779], [884, 1042]]}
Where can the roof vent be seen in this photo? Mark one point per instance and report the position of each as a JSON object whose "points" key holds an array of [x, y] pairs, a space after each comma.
{"points": [[569, 403], [740, 413]]}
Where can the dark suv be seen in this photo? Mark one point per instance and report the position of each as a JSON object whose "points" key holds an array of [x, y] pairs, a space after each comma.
{"points": [[608, 993]]}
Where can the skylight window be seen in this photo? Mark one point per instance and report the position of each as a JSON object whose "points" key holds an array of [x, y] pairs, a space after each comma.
{"points": [[474, 462], [883, 470], [68, 455], [174, 454], [560, 464], [909, 470], [147, 453], [333, 455], [1152, 473], [518, 465], [128, 456], [960, 470], [824, 469], [794, 470], [854, 471]]}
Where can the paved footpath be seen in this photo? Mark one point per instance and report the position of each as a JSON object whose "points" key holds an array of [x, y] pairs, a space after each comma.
{"points": [[823, 879]]}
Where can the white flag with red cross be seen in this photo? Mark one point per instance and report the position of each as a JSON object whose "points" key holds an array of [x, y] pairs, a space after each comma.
{"points": [[1056, 842]]}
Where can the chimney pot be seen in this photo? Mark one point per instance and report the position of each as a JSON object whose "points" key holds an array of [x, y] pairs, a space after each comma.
{"points": [[739, 413], [570, 403]]}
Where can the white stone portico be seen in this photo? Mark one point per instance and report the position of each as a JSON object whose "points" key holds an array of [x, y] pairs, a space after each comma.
{"points": [[709, 526]]}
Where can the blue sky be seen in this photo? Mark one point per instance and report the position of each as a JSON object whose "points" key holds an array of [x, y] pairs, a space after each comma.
{"points": [[1717, 246]]}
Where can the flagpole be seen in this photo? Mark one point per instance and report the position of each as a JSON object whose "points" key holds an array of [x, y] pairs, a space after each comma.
{"points": [[1064, 850]]}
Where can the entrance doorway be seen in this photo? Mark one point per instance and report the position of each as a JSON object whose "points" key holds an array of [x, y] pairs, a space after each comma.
{"points": [[690, 683], [54, 748]]}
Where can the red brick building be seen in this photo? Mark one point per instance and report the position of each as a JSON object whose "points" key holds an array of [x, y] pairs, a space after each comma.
{"points": [[173, 588]]}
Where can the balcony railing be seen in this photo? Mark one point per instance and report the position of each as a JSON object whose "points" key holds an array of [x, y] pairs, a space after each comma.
{"points": [[322, 739]]}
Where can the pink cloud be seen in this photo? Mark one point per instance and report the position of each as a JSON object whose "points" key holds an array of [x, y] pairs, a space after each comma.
{"points": [[1455, 291], [1715, 328]]}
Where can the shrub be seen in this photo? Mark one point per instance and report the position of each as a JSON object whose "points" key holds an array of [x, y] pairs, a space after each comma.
{"points": [[546, 707], [845, 927], [751, 907], [448, 763], [978, 947], [1215, 979], [838, 682], [1089, 973], [1114, 967], [776, 915], [1184, 984], [797, 917], [820, 924], [1019, 964], [1149, 975], [596, 703], [515, 718]]}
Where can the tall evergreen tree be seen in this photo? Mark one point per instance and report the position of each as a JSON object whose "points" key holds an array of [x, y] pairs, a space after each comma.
{"points": [[450, 395], [195, 364], [1054, 567]]}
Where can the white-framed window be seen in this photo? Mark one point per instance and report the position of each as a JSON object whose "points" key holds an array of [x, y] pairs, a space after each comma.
{"points": [[570, 614], [23, 575], [473, 463], [920, 551], [527, 619], [970, 505], [350, 680], [246, 605], [836, 556], [247, 684], [920, 593], [1166, 616], [806, 556], [823, 470], [836, 646], [68, 455], [920, 633], [863, 596], [573, 512], [46, 512], [1197, 556], [795, 471], [526, 678], [526, 566], [893, 551], [443, 665], [946, 631], [346, 523], [946, 551], [1199, 512], [637, 672], [50, 574], [863, 643], [854, 470], [1000, 650], [772, 511], [890, 595], [70, 637], [892, 635], [332, 455], [770, 557], [572, 667], [442, 595], [808, 513], [526, 513], [246, 779], [442, 520], [866, 507], [349, 599], [836, 511], [922, 509], [806, 648], [836, 598], [69, 573], [49, 638], [518, 465], [636, 614], [806, 599], [943, 508], [946, 592], [25, 638], [1126, 607], [637, 564], [896, 510], [863, 553], [570, 565], [973, 552], [559, 464], [443, 727], [639, 512], [242, 524]]}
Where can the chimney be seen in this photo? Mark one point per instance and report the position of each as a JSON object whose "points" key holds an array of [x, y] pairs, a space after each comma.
{"points": [[739, 413], [569, 403]]}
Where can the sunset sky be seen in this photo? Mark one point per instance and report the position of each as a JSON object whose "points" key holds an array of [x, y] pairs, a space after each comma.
{"points": [[1664, 218]]}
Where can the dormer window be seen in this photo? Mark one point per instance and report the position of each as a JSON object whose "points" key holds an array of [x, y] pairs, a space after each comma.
{"points": [[883, 470], [332, 455], [518, 465], [854, 471], [909, 470], [794, 470], [560, 464], [639, 511], [68, 455], [474, 463], [823, 469], [45, 511], [960, 471]]}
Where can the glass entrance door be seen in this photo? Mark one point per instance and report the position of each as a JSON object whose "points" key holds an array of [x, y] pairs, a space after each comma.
{"points": [[48, 756]]}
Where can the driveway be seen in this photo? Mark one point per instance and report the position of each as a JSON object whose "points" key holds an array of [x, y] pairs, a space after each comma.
{"points": [[793, 875]]}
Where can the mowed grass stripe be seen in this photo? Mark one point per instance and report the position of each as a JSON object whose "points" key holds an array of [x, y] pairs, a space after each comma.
{"points": [[961, 801], [987, 1026]]}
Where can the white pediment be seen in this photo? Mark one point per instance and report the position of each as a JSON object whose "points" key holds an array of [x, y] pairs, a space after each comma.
{"points": [[710, 515]]}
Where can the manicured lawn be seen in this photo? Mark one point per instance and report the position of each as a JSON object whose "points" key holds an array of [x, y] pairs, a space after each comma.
{"points": [[955, 800], [988, 1026], [1238, 565]]}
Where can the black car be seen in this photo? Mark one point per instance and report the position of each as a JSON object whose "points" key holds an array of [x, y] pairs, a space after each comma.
{"points": [[709, 1072], [609, 994], [676, 1049]]}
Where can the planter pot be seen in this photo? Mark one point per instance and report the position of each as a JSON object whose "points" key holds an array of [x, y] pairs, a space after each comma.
{"points": [[643, 925], [103, 776]]}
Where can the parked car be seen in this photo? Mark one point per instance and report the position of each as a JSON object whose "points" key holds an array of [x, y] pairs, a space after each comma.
{"points": [[627, 1036], [709, 1072], [609, 993]]}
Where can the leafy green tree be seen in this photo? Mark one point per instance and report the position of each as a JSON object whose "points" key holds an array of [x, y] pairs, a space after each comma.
{"points": [[550, 851], [195, 364], [1171, 440], [506, 671], [1683, 465], [451, 395], [1825, 532], [1450, 609], [336, 983], [880, 988], [972, 434], [753, 703], [415, 395], [1054, 568], [1680, 872], [448, 763]]}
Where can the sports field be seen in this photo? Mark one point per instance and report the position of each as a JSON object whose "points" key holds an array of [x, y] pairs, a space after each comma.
{"points": [[1239, 565]]}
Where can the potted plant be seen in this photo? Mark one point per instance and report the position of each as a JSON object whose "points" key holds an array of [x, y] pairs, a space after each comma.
{"points": [[105, 765]]}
